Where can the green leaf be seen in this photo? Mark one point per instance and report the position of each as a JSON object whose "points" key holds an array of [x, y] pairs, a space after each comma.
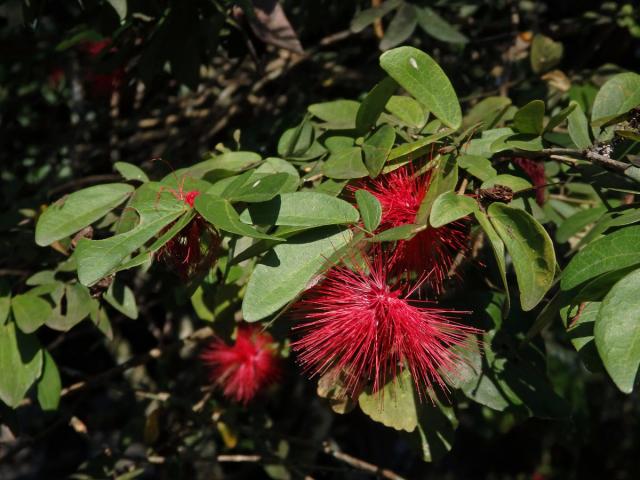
{"points": [[79, 305], [617, 331], [617, 96], [49, 384], [531, 250], [121, 297], [475, 378], [394, 406], [120, 6], [444, 178], [156, 207], [345, 164], [479, 167], [129, 171], [449, 207], [278, 165], [577, 222], [221, 214], [409, 151], [400, 28], [545, 53], [374, 103], [513, 182], [302, 209], [255, 187], [402, 232], [434, 25], [377, 148], [519, 141], [407, 110], [338, 114], [295, 141], [487, 111], [529, 118], [497, 245], [423, 78], [366, 17], [614, 251], [286, 270], [5, 301], [560, 117], [370, 209], [222, 165], [579, 127], [30, 312], [71, 214], [20, 363]]}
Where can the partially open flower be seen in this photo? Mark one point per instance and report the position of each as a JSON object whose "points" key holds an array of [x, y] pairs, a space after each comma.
{"points": [[433, 250], [357, 325], [194, 249], [247, 367]]}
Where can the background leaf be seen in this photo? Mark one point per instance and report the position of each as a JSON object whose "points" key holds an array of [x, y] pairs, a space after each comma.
{"points": [[370, 209]]}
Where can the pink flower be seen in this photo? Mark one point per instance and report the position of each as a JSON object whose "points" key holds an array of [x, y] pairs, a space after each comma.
{"points": [[355, 324], [535, 171], [431, 251], [247, 367]]}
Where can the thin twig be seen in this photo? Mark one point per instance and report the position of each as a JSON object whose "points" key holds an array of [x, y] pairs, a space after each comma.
{"points": [[360, 464]]}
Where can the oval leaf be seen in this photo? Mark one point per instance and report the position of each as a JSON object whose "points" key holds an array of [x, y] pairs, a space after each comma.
{"points": [[531, 250], [614, 251], [617, 96], [30, 312], [370, 209], [579, 127], [450, 207], [284, 272], [617, 331], [529, 118], [49, 385], [20, 363], [377, 148], [71, 214], [302, 209], [221, 214], [423, 78]]}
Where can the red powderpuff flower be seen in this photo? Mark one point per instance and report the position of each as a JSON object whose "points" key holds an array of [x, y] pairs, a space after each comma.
{"points": [[431, 251], [245, 368], [194, 249], [358, 326], [535, 171]]}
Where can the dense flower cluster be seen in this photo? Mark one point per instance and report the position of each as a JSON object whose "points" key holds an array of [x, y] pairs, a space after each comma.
{"points": [[535, 171], [244, 369], [432, 251], [358, 323]]}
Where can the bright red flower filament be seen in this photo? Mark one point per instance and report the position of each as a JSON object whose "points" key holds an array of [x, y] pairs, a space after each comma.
{"points": [[356, 324], [431, 251], [245, 368], [535, 171]]}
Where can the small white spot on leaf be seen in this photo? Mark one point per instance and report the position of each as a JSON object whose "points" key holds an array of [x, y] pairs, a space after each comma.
{"points": [[413, 62], [257, 182]]}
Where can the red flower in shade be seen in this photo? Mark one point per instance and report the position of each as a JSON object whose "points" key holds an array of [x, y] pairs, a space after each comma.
{"points": [[535, 171], [194, 249], [101, 84], [245, 368], [357, 325], [431, 251]]}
